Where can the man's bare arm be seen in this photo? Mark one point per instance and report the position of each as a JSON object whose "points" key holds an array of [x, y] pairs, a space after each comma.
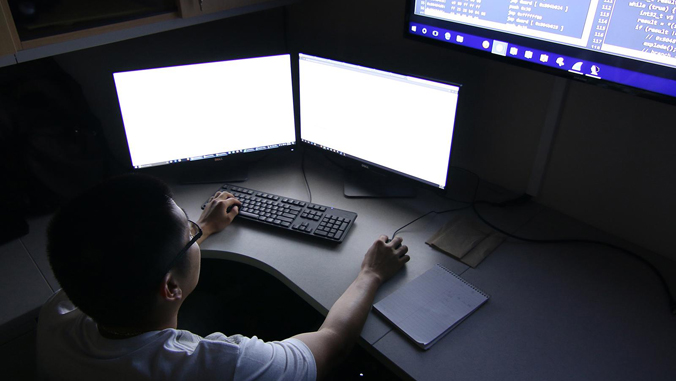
{"points": [[335, 338]]}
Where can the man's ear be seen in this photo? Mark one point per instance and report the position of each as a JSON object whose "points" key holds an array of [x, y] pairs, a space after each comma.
{"points": [[170, 289]]}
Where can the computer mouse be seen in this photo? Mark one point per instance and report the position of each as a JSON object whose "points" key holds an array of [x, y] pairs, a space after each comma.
{"points": [[389, 240]]}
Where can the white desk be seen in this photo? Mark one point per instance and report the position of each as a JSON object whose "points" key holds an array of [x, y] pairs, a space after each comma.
{"points": [[556, 311], [570, 312]]}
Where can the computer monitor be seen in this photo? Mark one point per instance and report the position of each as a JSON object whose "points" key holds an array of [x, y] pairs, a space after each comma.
{"points": [[397, 125], [627, 45], [207, 111]]}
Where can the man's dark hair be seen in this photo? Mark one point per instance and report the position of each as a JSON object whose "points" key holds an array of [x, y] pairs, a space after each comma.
{"points": [[110, 246]]}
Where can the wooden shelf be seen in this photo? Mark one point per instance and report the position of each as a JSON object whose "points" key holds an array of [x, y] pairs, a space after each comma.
{"points": [[90, 32], [191, 8], [15, 50], [9, 39], [70, 16]]}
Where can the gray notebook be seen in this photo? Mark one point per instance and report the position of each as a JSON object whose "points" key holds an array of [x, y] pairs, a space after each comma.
{"points": [[431, 305]]}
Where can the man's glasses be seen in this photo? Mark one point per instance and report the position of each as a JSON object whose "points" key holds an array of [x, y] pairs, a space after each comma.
{"points": [[195, 234]]}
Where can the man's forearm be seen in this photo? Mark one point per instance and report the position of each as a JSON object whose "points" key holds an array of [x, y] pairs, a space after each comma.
{"points": [[348, 315], [346, 319], [335, 338]]}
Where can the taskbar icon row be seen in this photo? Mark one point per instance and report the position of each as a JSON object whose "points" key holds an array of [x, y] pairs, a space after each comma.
{"points": [[506, 49]]}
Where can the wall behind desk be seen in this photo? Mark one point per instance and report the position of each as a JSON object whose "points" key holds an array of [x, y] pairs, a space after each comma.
{"points": [[613, 163], [613, 160], [502, 106]]}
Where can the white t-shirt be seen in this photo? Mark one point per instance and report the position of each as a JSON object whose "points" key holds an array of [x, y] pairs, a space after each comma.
{"points": [[70, 347]]}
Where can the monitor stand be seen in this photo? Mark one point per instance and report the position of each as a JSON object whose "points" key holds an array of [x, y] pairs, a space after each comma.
{"points": [[372, 185], [214, 173]]}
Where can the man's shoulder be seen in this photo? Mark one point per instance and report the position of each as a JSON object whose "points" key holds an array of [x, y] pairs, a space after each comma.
{"points": [[57, 310], [68, 340]]}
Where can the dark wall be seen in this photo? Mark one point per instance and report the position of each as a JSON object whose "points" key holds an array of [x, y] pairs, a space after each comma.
{"points": [[614, 166], [612, 163], [502, 106]]}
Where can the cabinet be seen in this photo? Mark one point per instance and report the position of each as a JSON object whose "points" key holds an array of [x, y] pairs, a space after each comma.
{"points": [[78, 24], [190, 8], [8, 36]]}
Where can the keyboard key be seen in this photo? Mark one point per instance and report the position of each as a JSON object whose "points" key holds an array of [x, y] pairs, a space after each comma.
{"points": [[247, 214], [285, 218]]}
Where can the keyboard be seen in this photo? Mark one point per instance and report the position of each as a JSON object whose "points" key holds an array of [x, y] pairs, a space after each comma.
{"points": [[320, 221]]}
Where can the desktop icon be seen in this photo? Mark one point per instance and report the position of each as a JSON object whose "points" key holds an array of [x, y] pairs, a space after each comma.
{"points": [[544, 58], [424, 30], [447, 36], [459, 39], [528, 54], [414, 28], [595, 70], [499, 48], [559, 61], [578, 66], [486, 44], [435, 33], [513, 51]]}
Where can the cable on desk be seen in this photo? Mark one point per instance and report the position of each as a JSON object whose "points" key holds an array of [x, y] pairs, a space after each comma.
{"points": [[476, 189], [302, 167], [524, 198], [427, 214]]}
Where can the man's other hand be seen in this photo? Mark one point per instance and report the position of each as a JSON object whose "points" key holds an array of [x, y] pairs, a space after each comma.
{"points": [[384, 258], [218, 213]]}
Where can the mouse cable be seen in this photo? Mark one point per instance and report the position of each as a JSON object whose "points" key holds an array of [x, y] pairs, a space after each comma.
{"points": [[427, 214], [520, 200], [302, 167], [476, 189]]}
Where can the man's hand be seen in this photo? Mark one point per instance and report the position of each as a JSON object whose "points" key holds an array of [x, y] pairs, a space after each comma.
{"points": [[215, 216], [385, 259]]}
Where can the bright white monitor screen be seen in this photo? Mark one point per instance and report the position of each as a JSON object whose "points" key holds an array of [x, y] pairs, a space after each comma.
{"points": [[207, 110], [394, 122]]}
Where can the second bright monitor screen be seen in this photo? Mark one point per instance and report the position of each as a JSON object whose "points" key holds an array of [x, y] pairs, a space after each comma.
{"points": [[399, 123]]}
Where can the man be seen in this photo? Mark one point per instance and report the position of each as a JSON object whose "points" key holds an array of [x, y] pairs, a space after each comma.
{"points": [[127, 257]]}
